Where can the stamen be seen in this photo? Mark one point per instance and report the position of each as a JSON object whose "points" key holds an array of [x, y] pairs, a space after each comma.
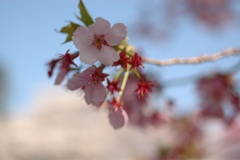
{"points": [[99, 41]]}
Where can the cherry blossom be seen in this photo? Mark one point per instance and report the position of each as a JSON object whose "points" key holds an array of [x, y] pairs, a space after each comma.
{"points": [[138, 111], [90, 80], [136, 61], [113, 86], [95, 42], [65, 61], [101, 42], [211, 13], [214, 92], [117, 115], [143, 90], [123, 61]]}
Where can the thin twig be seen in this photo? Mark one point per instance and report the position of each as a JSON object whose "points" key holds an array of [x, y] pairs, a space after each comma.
{"points": [[194, 60]]}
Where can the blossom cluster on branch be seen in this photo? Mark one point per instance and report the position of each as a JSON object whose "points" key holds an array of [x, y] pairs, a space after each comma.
{"points": [[212, 15], [126, 92]]}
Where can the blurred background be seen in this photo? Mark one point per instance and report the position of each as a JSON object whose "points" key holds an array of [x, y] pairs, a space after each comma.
{"points": [[42, 121]]}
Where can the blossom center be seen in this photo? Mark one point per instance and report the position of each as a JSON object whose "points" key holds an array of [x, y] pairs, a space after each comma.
{"points": [[143, 89], [98, 76], [99, 41]]}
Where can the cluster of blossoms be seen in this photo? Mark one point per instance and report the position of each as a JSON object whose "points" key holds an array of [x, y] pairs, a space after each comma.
{"points": [[126, 93], [216, 92], [102, 46], [211, 14]]}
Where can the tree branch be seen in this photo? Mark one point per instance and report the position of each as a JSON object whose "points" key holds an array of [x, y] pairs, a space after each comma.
{"points": [[194, 60]]}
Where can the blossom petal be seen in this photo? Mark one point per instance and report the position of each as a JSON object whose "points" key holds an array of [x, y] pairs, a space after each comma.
{"points": [[88, 94], [95, 93], [88, 72], [52, 64], [82, 79], [116, 35], [89, 54], [99, 94], [100, 27], [82, 37], [60, 76], [107, 55], [73, 83], [118, 118]]}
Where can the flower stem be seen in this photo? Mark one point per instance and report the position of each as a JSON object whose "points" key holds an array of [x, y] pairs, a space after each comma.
{"points": [[119, 73], [124, 82]]}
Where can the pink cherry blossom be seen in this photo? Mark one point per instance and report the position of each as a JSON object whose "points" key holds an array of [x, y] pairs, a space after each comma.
{"points": [[214, 92], [113, 86], [123, 61], [90, 80], [144, 89], [117, 115], [136, 61], [65, 60], [95, 42], [118, 118]]}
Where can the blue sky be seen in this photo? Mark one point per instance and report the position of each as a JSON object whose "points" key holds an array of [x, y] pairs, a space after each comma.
{"points": [[28, 41]]}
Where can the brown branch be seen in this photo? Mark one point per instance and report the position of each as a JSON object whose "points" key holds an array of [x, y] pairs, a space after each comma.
{"points": [[194, 60]]}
